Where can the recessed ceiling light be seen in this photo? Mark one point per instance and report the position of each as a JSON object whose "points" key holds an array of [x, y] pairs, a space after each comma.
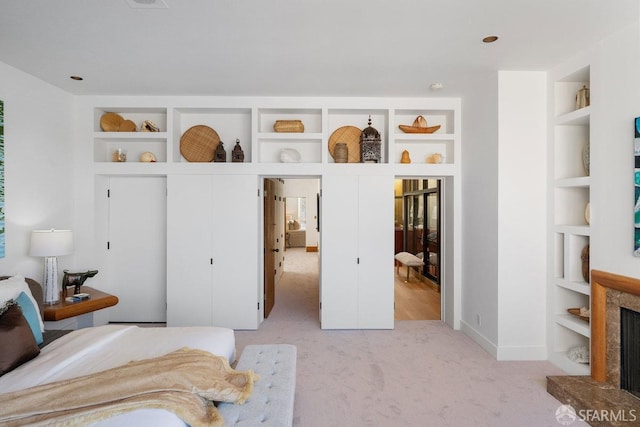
{"points": [[490, 39], [436, 86], [76, 78], [147, 4]]}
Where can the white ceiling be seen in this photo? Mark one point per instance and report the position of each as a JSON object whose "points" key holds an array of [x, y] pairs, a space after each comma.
{"points": [[295, 47]]}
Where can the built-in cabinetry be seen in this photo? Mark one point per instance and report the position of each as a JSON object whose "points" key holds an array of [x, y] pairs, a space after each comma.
{"points": [[214, 260], [355, 257], [570, 180], [135, 247], [212, 247]]}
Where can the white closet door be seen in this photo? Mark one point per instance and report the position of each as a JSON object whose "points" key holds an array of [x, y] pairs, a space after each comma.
{"points": [[236, 233], [375, 249], [189, 252], [339, 252], [137, 248]]}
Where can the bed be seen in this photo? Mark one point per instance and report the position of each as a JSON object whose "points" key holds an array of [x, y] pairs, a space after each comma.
{"points": [[91, 350]]}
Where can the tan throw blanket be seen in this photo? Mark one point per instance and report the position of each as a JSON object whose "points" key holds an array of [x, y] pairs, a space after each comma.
{"points": [[185, 382]]}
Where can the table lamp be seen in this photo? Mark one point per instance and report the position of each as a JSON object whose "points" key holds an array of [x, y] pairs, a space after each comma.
{"points": [[51, 244]]}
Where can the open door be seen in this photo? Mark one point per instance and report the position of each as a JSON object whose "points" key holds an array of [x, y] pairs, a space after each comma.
{"points": [[270, 246]]}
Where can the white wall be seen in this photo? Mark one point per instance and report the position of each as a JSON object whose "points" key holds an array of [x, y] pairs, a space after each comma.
{"points": [[480, 213], [522, 231], [615, 94], [500, 279], [308, 188], [504, 215], [39, 133]]}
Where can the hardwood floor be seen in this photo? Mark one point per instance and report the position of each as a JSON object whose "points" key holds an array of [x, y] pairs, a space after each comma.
{"points": [[415, 300]]}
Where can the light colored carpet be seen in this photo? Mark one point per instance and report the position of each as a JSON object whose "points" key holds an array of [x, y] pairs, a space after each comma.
{"points": [[422, 373]]}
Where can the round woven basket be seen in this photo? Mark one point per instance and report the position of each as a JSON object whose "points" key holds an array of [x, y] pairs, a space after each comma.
{"points": [[110, 122], [127, 126], [198, 144], [350, 135]]}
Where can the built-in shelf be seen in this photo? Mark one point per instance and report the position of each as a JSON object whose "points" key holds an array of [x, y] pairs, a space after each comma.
{"points": [[569, 230], [577, 325], [253, 125], [575, 118], [561, 359], [576, 286]]}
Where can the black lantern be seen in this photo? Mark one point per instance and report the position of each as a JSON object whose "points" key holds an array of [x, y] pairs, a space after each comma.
{"points": [[370, 145], [237, 155], [220, 154]]}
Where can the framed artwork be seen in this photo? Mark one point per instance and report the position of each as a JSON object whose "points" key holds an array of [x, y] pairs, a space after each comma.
{"points": [[2, 222], [636, 209]]}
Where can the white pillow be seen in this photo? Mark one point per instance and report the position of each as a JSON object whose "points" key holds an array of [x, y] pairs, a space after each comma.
{"points": [[10, 289]]}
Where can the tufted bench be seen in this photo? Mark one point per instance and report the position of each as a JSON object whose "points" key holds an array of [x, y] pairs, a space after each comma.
{"points": [[271, 402], [409, 260]]}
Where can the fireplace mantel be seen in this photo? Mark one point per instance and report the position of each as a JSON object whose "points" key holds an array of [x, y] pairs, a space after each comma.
{"points": [[601, 282], [600, 393]]}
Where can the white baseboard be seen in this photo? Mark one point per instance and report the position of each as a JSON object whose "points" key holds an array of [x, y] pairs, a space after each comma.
{"points": [[480, 339], [522, 353], [504, 352]]}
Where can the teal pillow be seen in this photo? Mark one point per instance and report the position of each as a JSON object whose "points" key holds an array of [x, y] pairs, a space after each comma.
{"points": [[29, 312]]}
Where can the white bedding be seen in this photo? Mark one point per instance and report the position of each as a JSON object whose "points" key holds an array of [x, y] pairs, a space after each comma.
{"points": [[90, 350]]}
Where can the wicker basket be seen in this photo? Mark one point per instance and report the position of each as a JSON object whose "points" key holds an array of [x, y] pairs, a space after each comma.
{"points": [[199, 143], [127, 126], [110, 122], [288, 126]]}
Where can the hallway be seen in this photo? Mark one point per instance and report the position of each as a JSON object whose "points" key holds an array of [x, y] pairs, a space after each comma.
{"points": [[298, 291]]}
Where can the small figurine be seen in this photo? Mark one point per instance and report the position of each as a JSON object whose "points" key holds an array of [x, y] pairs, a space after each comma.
{"points": [[435, 158], [220, 154], [237, 155], [148, 157], [370, 145], [149, 126], [75, 279], [405, 157]]}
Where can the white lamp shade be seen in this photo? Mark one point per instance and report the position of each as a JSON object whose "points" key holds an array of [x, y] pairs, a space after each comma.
{"points": [[48, 243]]}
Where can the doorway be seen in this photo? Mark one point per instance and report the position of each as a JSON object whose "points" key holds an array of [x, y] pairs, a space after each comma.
{"points": [[419, 209], [291, 236], [418, 231]]}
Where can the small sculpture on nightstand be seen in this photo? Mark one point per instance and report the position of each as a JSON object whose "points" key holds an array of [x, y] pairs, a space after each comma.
{"points": [[75, 279]]}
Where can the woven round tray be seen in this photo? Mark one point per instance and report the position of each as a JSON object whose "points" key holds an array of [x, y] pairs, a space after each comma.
{"points": [[198, 143], [350, 135], [110, 122], [127, 126]]}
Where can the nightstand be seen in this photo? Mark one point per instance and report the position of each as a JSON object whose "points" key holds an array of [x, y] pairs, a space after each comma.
{"points": [[76, 315]]}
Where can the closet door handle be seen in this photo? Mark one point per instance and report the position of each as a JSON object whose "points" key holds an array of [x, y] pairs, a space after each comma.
{"points": [[276, 250]]}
